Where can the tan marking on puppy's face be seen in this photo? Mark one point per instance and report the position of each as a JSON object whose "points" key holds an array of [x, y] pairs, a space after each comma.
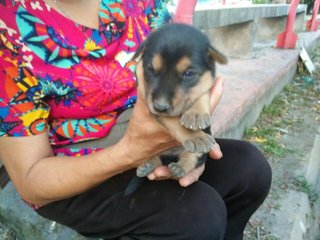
{"points": [[183, 101], [179, 102], [142, 86], [183, 64], [157, 62], [204, 85], [140, 78]]}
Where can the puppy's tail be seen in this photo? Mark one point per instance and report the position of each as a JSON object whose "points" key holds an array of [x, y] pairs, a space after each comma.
{"points": [[133, 185]]}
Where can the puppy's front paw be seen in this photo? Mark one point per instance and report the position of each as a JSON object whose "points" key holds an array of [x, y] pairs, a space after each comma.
{"points": [[176, 170], [202, 144], [145, 169], [195, 121]]}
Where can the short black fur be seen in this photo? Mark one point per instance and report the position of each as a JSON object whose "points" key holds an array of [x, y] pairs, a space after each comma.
{"points": [[178, 70]]}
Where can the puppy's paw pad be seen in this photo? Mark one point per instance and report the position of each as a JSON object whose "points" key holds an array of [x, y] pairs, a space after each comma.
{"points": [[176, 170], [201, 144], [144, 169], [194, 121]]}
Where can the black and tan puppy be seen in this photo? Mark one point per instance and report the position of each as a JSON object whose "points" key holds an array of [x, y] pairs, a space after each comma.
{"points": [[175, 72]]}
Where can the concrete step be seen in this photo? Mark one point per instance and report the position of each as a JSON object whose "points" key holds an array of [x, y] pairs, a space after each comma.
{"points": [[250, 84], [26, 223]]}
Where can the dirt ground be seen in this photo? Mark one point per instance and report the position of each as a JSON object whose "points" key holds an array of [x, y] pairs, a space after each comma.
{"points": [[7, 233], [283, 132]]}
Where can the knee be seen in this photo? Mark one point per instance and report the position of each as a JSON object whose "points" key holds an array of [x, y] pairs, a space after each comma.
{"points": [[256, 170], [204, 213], [194, 212]]}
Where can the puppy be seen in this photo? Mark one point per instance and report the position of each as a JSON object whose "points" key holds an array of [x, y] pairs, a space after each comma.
{"points": [[175, 73]]}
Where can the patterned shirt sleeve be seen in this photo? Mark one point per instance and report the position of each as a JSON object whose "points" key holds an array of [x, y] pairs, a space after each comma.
{"points": [[22, 109], [157, 13]]}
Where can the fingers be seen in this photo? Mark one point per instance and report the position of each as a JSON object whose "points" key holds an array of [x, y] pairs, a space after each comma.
{"points": [[191, 177], [195, 174], [216, 93], [160, 173], [215, 152]]}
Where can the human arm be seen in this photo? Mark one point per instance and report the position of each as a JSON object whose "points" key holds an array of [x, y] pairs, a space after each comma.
{"points": [[41, 178]]}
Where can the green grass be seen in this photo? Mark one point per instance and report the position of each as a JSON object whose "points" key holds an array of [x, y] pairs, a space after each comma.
{"points": [[274, 121], [302, 185], [269, 127]]}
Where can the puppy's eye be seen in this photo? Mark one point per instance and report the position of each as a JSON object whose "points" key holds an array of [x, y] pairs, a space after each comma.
{"points": [[150, 68], [188, 74]]}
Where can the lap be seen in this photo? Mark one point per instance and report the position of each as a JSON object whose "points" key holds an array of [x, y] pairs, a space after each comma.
{"points": [[242, 165], [156, 210], [163, 208]]}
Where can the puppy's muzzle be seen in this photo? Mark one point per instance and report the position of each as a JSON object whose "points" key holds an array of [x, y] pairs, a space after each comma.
{"points": [[162, 106]]}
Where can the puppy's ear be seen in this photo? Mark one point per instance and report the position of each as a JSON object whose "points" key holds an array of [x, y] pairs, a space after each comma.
{"points": [[216, 55], [138, 54]]}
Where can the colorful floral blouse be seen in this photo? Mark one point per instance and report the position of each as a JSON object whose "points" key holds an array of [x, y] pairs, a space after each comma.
{"points": [[66, 78]]}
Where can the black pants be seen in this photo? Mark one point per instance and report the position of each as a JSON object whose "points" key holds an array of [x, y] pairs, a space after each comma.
{"points": [[218, 206]]}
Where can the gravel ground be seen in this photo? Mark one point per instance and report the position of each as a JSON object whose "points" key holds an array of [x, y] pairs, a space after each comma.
{"points": [[7, 233]]}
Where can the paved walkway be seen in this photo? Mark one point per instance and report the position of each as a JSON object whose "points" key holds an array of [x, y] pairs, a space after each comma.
{"points": [[252, 83]]}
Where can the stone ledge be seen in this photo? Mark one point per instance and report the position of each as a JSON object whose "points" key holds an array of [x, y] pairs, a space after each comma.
{"points": [[235, 30], [292, 218], [313, 170], [207, 17], [28, 224], [250, 84]]}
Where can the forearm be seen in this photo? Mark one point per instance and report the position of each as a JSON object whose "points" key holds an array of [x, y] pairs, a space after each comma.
{"points": [[58, 177], [42, 178]]}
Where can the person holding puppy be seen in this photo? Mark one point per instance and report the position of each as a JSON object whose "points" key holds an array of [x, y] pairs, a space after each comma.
{"points": [[67, 90]]}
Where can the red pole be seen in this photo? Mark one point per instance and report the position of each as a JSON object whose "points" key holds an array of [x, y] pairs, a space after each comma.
{"points": [[313, 23], [184, 11], [288, 38]]}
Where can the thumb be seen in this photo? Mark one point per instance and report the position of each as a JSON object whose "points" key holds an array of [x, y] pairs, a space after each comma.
{"points": [[215, 152], [216, 93]]}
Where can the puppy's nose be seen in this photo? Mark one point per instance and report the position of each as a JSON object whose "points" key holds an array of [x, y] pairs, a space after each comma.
{"points": [[161, 106]]}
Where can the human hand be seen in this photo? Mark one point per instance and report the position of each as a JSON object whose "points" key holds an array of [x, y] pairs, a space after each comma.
{"points": [[163, 172], [216, 94], [145, 137]]}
